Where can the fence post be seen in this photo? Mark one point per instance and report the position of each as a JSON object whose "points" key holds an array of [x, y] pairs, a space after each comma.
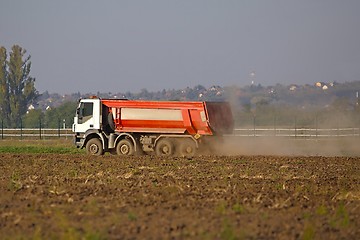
{"points": [[295, 123], [274, 125], [254, 125], [21, 128], [2, 128], [59, 128], [316, 126], [40, 127]]}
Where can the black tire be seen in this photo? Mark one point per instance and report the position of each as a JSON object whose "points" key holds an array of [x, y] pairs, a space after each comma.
{"points": [[113, 151], [164, 148], [94, 147], [187, 148], [125, 148], [111, 122]]}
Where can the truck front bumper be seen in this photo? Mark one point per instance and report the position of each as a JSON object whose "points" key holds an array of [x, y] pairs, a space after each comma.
{"points": [[79, 141]]}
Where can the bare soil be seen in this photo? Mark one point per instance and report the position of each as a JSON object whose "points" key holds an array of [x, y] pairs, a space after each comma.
{"points": [[58, 196]]}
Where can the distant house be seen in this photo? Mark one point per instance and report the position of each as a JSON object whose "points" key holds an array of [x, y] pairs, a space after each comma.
{"points": [[323, 86], [293, 88], [318, 84], [31, 107]]}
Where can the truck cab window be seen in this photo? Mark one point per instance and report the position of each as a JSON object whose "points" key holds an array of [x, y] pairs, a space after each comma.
{"points": [[85, 112]]}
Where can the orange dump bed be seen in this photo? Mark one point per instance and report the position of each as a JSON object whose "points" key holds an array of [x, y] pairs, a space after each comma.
{"points": [[205, 118]]}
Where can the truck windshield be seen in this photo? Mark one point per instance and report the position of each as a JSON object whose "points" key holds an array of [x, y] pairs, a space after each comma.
{"points": [[85, 112]]}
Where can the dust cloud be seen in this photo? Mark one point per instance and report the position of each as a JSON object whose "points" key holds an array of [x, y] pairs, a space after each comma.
{"points": [[332, 126], [281, 146]]}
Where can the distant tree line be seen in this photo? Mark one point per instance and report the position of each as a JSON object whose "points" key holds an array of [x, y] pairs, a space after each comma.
{"points": [[17, 89], [274, 106], [320, 104], [59, 117]]}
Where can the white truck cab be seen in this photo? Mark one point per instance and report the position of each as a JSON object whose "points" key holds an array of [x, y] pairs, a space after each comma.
{"points": [[88, 116]]}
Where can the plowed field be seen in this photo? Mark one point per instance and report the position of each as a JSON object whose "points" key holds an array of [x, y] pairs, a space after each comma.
{"points": [[60, 196]]}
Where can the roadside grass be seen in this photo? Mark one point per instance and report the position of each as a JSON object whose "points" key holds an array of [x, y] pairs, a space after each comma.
{"points": [[57, 146]]}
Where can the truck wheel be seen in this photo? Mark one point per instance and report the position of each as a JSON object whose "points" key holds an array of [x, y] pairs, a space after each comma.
{"points": [[125, 147], [187, 148], [164, 147], [94, 147], [111, 122]]}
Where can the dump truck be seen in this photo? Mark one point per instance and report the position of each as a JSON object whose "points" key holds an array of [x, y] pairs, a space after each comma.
{"points": [[162, 128]]}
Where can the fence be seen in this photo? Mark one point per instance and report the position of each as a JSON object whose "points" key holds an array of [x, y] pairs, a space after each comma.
{"points": [[33, 133], [297, 132], [45, 133], [305, 124]]}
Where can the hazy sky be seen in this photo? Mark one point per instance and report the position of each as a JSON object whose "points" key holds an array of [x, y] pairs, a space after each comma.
{"points": [[119, 46]]}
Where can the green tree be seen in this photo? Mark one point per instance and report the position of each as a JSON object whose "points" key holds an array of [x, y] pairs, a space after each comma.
{"points": [[56, 116], [4, 87], [20, 88], [32, 118]]}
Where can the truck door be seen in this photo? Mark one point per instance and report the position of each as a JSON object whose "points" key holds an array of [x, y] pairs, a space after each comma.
{"points": [[87, 116]]}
